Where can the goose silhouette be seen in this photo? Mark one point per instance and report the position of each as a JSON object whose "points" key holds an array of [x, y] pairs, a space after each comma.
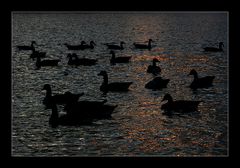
{"points": [[115, 59], [27, 47], [75, 47], [59, 98], [114, 46], [154, 69], [90, 46], [80, 115], [115, 86], [143, 46], [214, 49], [157, 83], [80, 61], [203, 82], [82, 46], [40, 63], [36, 54], [182, 106]]}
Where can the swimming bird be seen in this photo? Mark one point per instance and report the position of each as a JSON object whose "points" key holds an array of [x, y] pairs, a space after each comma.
{"points": [[27, 47], [144, 46], [115, 59], [36, 54], [214, 49], [154, 69], [115, 86], [183, 106], [59, 98], [80, 61], [76, 47], [90, 46], [203, 82], [98, 107], [157, 83], [114, 46], [40, 63], [80, 116]]}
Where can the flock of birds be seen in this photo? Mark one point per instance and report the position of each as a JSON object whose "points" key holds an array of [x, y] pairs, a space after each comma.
{"points": [[85, 112]]}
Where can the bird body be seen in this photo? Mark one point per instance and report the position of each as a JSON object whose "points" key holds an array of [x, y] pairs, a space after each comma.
{"points": [[214, 49], [80, 61], [115, 59], [182, 106], [40, 63], [143, 46], [115, 86], [154, 69], [203, 82], [114, 46], [157, 83], [58, 98], [80, 115], [27, 47], [82, 46]]}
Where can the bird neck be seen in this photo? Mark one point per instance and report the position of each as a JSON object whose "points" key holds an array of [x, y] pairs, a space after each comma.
{"points": [[48, 92], [105, 79], [121, 45], [195, 76], [154, 64], [149, 43], [113, 55], [54, 116], [170, 100], [220, 46]]}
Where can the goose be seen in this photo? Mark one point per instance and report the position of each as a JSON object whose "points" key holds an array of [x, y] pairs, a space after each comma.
{"points": [[40, 63], [80, 116], [80, 61], [203, 82], [154, 69], [157, 83], [214, 49], [75, 47], [114, 59], [59, 98], [99, 108], [36, 54], [182, 106], [86, 46], [27, 47], [115, 87], [144, 46], [114, 46]]}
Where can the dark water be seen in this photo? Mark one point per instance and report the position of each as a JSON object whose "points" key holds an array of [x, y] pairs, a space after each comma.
{"points": [[138, 127]]}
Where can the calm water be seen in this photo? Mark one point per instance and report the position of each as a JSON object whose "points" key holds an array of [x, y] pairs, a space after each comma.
{"points": [[138, 127]]}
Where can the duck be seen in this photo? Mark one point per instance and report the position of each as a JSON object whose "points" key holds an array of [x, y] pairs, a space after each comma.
{"points": [[214, 49], [115, 59], [182, 106], [157, 83], [80, 61], [143, 46], [76, 47], [27, 47], [115, 86], [36, 54], [59, 98], [204, 82], [80, 116], [114, 46], [40, 63], [154, 69]]}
